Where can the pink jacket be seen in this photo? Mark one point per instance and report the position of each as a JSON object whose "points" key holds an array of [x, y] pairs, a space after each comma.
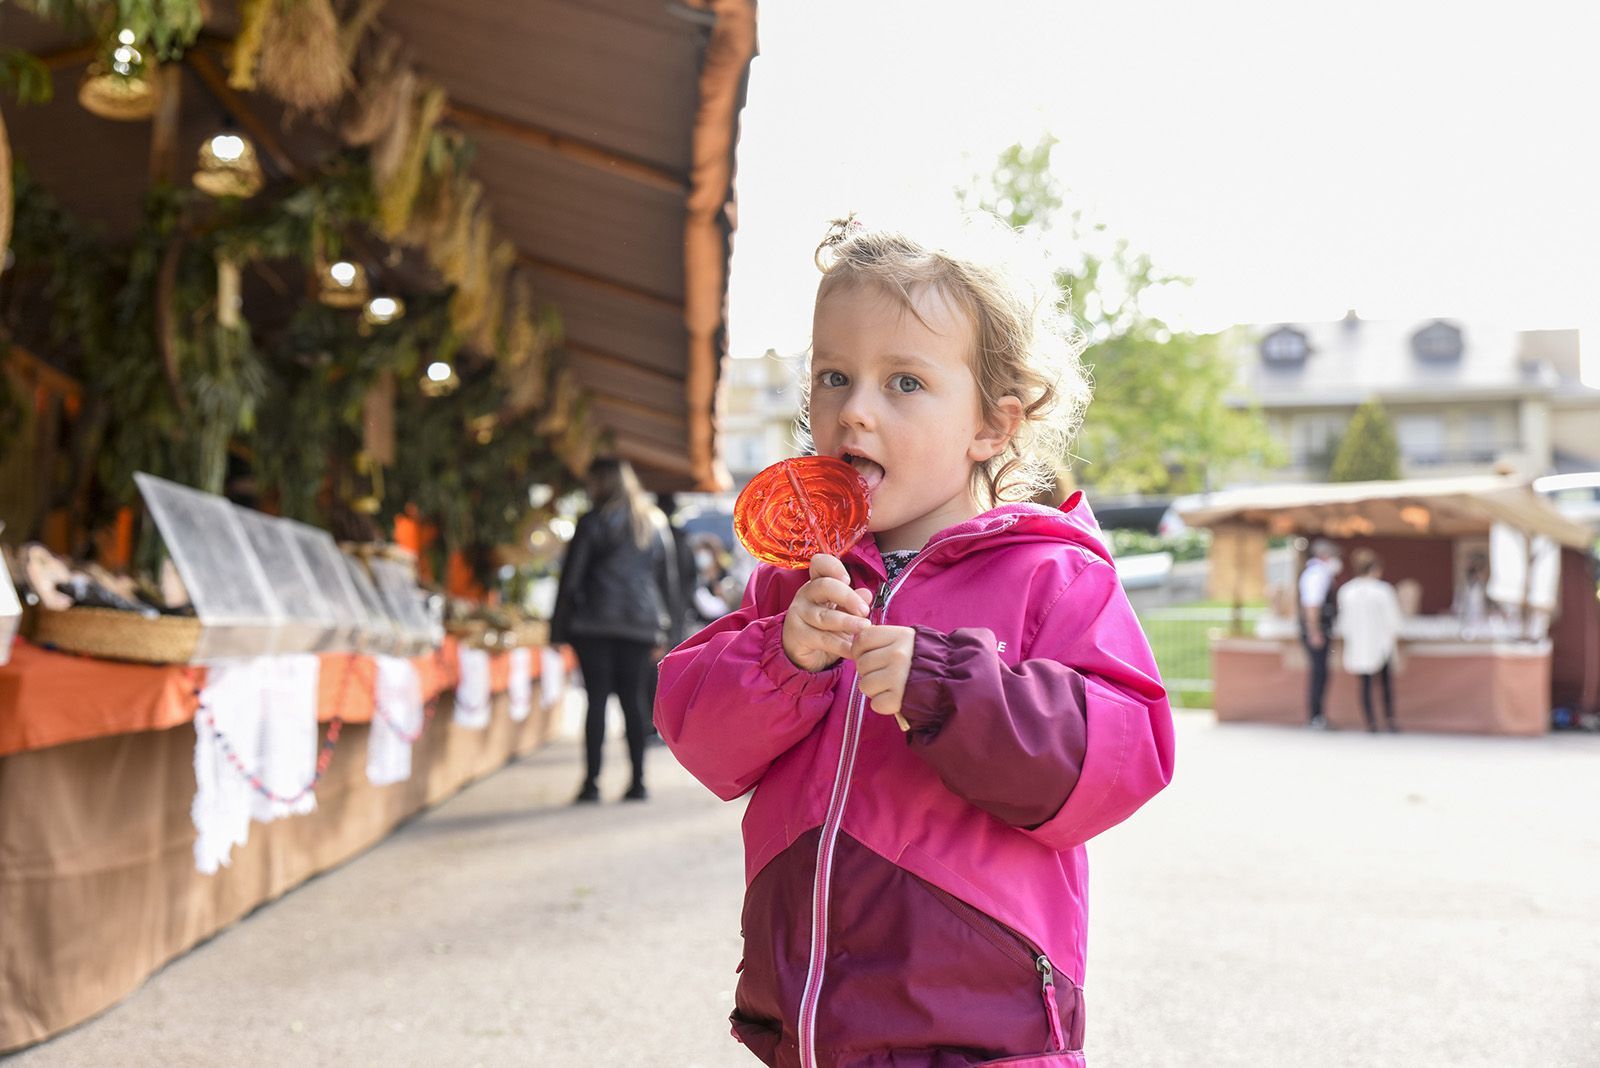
{"points": [[1038, 720]]}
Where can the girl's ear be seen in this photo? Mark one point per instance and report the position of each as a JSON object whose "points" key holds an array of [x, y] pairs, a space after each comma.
{"points": [[997, 430]]}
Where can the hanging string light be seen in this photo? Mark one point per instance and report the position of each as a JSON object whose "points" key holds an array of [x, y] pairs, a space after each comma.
{"points": [[343, 285], [440, 379], [118, 85], [228, 167], [381, 311]]}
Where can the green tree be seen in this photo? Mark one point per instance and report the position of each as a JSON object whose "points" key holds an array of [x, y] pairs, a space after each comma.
{"points": [[1160, 421], [1368, 451]]}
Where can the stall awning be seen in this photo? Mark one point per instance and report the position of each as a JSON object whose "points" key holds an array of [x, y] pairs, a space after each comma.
{"points": [[1450, 507], [606, 136]]}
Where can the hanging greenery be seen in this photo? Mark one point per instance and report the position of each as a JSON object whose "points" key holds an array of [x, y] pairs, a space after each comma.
{"points": [[175, 376], [322, 368], [253, 15], [467, 469], [169, 26], [25, 77]]}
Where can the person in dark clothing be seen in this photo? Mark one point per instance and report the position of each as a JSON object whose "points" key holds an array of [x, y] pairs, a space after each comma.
{"points": [[684, 621], [1318, 607], [614, 604]]}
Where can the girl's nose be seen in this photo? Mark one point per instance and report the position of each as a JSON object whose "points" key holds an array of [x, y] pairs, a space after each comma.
{"points": [[856, 410]]}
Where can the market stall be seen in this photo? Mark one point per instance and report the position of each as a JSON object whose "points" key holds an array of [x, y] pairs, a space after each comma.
{"points": [[198, 763], [307, 322], [100, 886], [1497, 654]]}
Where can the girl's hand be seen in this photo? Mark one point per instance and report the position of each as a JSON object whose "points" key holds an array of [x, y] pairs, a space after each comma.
{"points": [[883, 663], [824, 617]]}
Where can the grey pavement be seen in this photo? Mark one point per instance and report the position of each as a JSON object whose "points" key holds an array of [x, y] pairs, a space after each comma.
{"points": [[1294, 899]]}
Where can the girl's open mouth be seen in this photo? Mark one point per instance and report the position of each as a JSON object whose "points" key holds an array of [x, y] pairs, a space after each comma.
{"points": [[870, 470]]}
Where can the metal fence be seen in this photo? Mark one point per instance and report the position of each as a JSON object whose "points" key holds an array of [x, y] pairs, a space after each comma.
{"points": [[1181, 640]]}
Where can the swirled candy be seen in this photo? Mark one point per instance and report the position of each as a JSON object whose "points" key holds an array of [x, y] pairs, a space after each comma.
{"points": [[797, 508]]}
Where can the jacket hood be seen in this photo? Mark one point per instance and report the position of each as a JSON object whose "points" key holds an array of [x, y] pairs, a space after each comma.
{"points": [[1006, 525]]}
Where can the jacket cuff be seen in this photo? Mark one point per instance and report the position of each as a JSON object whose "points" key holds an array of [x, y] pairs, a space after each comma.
{"points": [[926, 702], [783, 673]]}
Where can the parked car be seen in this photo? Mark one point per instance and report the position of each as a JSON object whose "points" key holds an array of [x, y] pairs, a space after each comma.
{"points": [[1132, 513]]}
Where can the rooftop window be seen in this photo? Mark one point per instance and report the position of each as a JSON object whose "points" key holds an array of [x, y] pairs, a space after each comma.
{"points": [[1438, 342], [1285, 347]]}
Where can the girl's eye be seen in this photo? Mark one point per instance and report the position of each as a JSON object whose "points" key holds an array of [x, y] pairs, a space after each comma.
{"points": [[905, 383], [831, 378]]}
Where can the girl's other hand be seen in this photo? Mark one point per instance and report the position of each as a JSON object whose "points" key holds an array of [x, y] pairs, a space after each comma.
{"points": [[825, 616], [883, 663]]}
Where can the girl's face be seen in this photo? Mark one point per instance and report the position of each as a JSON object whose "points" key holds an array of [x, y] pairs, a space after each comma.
{"points": [[897, 399]]}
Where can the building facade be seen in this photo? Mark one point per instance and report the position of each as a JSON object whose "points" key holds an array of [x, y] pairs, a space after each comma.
{"points": [[756, 422], [1464, 397]]}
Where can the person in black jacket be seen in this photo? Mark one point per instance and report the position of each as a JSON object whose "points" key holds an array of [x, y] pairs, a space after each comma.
{"points": [[614, 605]]}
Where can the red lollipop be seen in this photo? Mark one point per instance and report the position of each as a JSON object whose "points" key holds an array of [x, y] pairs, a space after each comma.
{"points": [[797, 508]]}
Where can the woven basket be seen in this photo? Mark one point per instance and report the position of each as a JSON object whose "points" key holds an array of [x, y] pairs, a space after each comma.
{"points": [[533, 632], [111, 96], [116, 635], [469, 632]]}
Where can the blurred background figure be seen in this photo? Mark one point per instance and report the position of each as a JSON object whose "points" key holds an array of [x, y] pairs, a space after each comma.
{"points": [[683, 556], [614, 606], [1472, 596], [683, 618], [715, 591], [1317, 611], [1369, 621]]}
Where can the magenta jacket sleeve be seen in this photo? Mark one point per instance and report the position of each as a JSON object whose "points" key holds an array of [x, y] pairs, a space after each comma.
{"points": [[1065, 744], [729, 701]]}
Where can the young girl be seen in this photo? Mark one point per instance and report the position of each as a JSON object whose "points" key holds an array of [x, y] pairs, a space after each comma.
{"points": [[917, 896]]}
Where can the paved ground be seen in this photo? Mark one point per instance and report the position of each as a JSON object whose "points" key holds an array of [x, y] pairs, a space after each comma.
{"points": [[1294, 899]]}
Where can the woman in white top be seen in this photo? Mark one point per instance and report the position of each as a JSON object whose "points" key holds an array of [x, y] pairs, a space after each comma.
{"points": [[1369, 618]]}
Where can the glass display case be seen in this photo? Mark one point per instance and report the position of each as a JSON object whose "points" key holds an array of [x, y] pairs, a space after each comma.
{"points": [[10, 611], [398, 587], [353, 630], [383, 631], [309, 624], [239, 612]]}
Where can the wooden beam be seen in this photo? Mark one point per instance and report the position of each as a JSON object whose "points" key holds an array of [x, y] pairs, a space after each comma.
{"points": [[164, 125], [264, 135], [35, 370], [589, 155], [73, 56], [600, 358], [600, 282], [636, 408], [658, 435], [646, 455]]}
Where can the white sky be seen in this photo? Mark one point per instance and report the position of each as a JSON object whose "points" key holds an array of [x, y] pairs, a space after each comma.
{"points": [[1402, 158]]}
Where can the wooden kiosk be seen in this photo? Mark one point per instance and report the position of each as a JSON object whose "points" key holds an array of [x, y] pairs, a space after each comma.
{"points": [[1536, 649]]}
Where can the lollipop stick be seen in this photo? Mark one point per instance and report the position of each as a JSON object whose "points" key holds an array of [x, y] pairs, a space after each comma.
{"points": [[817, 537]]}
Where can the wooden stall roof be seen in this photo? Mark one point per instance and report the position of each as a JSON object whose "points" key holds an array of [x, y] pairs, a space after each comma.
{"points": [[606, 135], [1448, 506]]}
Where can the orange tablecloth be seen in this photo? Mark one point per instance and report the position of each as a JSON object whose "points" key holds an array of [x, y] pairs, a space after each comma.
{"points": [[49, 698]]}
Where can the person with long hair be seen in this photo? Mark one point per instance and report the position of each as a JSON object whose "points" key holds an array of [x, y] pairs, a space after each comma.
{"points": [[613, 606]]}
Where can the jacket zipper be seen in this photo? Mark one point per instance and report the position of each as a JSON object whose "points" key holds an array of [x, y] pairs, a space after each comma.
{"points": [[1018, 948], [821, 885]]}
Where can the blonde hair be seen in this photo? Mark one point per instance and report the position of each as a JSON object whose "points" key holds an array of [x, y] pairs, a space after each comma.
{"points": [[1025, 343], [613, 485]]}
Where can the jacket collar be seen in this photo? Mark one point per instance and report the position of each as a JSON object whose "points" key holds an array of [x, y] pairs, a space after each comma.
{"points": [[1073, 522]]}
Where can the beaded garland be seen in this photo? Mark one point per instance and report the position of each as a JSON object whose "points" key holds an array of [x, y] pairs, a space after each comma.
{"points": [[324, 753]]}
